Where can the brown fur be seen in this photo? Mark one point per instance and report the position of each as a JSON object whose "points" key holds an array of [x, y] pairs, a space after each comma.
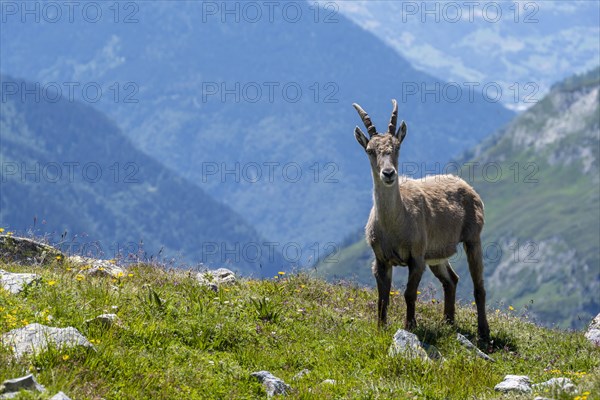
{"points": [[416, 223]]}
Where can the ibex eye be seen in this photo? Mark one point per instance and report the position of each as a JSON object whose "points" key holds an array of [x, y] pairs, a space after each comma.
{"points": [[370, 152]]}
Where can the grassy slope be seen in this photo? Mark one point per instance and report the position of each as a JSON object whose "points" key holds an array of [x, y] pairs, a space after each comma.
{"points": [[201, 344]]}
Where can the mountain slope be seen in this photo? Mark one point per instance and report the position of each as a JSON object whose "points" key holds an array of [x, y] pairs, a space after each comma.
{"points": [[541, 236], [522, 46], [204, 103], [71, 168]]}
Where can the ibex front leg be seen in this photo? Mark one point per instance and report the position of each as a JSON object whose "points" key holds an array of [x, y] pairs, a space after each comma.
{"points": [[383, 275], [416, 266]]}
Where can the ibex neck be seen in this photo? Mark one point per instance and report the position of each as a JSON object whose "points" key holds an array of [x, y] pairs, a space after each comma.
{"points": [[386, 200]]}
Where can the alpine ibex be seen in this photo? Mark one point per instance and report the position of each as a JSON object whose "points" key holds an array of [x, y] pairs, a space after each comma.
{"points": [[419, 222]]}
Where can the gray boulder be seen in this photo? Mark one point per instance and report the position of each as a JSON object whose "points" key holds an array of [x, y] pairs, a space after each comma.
{"points": [[407, 344], [14, 282], [36, 338], [514, 383], [215, 278], [470, 346], [273, 385], [593, 332], [11, 387]]}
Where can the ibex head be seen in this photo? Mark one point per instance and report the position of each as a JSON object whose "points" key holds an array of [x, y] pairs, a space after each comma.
{"points": [[383, 148]]}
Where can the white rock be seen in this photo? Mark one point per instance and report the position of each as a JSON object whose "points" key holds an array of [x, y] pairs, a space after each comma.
{"points": [[35, 338], [407, 344], [301, 374], [95, 267], [273, 385], [15, 282], [105, 320], [593, 333], [60, 396], [557, 384], [11, 387], [215, 278], [467, 343], [514, 383]]}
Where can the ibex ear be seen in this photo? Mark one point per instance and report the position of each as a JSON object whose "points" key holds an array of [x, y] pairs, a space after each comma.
{"points": [[401, 131], [361, 138]]}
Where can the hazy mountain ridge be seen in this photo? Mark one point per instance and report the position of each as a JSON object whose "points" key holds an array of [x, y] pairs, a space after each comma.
{"points": [[542, 214], [70, 167], [523, 46], [175, 56]]}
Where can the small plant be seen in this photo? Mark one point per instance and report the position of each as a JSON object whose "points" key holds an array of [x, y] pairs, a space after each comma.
{"points": [[266, 310], [152, 301]]}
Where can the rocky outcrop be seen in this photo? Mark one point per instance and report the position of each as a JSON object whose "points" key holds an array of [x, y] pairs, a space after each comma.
{"points": [[26, 251], [21, 250]]}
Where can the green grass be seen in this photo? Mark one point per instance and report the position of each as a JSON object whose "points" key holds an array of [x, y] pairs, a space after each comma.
{"points": [[183, 341]]}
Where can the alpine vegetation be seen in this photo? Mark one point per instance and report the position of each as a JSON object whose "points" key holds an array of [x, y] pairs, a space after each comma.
{"points": [[420, 222]]}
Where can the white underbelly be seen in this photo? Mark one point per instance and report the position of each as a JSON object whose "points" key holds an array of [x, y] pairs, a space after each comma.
{"points": [[436, 261]]}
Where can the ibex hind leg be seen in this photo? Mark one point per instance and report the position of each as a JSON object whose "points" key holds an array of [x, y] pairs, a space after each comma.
{"points": [[383, 275], [475, 259], [449, 280]]}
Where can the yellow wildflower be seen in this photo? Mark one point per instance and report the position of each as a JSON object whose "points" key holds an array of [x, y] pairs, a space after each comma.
{"points": [[65, 357], [51, 283], [1, 230], [281, 273], [511, 308], [79, 277]]}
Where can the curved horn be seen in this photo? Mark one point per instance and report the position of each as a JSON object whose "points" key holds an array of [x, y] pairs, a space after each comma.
{"points": [[366, 120], [393, 118]]}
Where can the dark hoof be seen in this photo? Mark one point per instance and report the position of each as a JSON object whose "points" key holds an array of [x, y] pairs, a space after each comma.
{"points": [[410, 325]]}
